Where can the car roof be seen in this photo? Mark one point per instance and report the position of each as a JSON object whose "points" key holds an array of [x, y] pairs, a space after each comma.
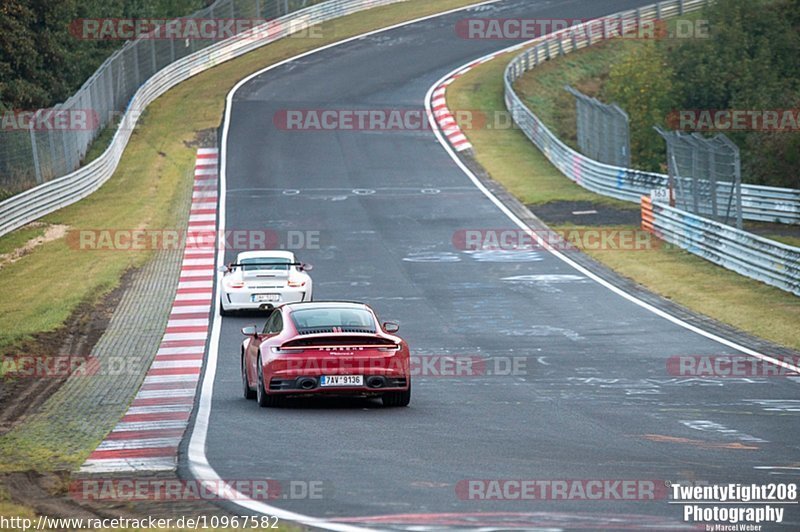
{"points": [[266, 254]]}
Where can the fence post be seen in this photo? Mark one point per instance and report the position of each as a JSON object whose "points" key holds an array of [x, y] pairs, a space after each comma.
{"points": [[680, 7], [35, 151], [738, 184]]}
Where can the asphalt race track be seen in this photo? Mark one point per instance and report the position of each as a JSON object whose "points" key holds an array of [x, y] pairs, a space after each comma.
{"points": [[593, 399]]}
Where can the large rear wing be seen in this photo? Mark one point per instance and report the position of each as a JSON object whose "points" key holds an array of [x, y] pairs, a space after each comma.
{"points": [[234, 265]]}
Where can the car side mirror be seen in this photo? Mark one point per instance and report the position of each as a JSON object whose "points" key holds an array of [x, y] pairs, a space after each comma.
{"points": [[223, 269], [306, 267], [249, 331], [391, 326]]}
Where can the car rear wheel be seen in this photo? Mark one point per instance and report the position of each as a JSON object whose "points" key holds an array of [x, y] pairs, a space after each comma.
{"points": [[395, 399], [248, 392], [264, 400], [222, 311]]}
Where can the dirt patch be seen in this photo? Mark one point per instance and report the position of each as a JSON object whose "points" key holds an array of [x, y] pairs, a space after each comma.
{"points": [[206, 138], [54, 494], [585, 213], [21, 397], [53, 232]]}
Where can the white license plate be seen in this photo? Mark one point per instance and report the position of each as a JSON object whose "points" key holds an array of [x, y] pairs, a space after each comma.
{"points": [[341, 380], [260, 298]]}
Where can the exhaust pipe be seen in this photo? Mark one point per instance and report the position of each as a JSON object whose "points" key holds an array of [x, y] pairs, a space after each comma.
{"points": [[308, 384], [376, 382]]}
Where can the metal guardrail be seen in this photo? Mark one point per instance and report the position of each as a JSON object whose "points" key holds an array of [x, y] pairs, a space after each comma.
{"points": [[34, 203], [760, 203], [759, 258]]}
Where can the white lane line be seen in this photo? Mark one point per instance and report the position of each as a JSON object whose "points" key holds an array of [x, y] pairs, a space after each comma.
{"points": [[198, 463]]}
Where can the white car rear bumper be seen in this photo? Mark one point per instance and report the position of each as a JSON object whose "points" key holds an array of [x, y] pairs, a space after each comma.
{"points": [[243, 299]]}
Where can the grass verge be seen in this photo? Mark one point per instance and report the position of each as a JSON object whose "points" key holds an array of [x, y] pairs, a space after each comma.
{"points": [[513, 161]]}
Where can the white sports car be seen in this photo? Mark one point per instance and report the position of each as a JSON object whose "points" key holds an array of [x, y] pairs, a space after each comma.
{"points": [[261, 280]]}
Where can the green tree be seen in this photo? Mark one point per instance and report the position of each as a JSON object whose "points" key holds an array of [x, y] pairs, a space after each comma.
{"points": [[642, 84]]}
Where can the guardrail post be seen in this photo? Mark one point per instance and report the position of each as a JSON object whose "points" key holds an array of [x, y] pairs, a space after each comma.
{"points": [[681, 7], [560, 46], [574, 42], [658, 10], [547, 50]]}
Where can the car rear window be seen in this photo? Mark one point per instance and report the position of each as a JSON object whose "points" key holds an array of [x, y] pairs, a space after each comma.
{"points": [[325, 319], [265, 263]]}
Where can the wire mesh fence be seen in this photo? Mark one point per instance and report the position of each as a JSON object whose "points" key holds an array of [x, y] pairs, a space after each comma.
{"points": [[603, 130], [39, 146], [705, 175]]}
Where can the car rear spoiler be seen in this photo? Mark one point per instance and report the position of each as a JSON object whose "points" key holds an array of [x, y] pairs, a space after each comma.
{"points": [[334, 342], [234, 265]]}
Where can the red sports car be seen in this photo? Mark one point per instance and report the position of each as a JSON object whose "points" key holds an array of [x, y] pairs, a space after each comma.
{"points": [[335, 348]]}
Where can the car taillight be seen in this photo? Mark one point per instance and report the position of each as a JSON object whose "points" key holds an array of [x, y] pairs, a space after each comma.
{"points": [[296, 284], [236, 284]]}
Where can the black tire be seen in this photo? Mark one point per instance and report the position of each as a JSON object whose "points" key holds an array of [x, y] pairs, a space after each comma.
{"points": [[264, 399], [397, 399], [247, 391], [223, 312]]}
